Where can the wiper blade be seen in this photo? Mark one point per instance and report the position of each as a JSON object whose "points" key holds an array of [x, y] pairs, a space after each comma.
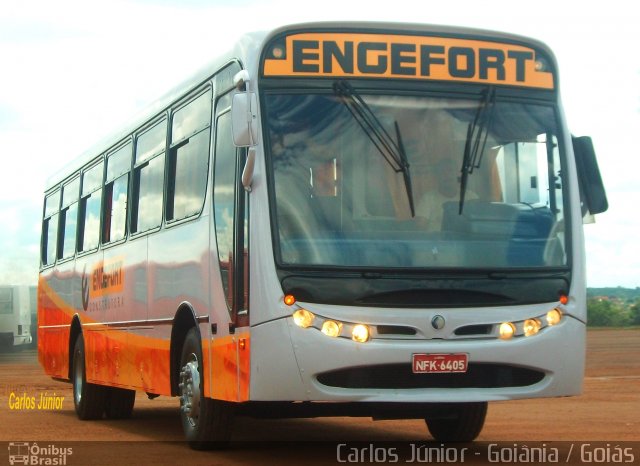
{"points": [[405, 170], [393, 152], [477, 134]]}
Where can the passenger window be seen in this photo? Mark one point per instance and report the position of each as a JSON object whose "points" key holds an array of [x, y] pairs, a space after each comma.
{"points": [[116, 192], [69, 219], [189, 159], [90, 202], [50, 228], [149, 179]]}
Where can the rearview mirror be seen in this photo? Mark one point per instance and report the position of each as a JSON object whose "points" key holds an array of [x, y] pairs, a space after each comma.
{"points": [[592, 190], [244, 119]]}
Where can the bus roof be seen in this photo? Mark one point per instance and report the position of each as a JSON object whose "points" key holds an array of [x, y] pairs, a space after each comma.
{"points": [[247, 50]]}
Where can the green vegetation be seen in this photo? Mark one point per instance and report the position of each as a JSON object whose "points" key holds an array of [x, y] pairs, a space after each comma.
{"points": [[613, 307]]}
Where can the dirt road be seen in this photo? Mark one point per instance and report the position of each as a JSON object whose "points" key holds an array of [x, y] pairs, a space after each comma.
{"points": [[609, 411]]}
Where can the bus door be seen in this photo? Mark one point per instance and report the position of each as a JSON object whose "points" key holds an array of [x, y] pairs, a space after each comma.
{"points": [[230, 348]]}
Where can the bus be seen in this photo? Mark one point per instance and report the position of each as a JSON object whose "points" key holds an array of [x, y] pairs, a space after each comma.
{"points": [[15, 316], [332, 219]]}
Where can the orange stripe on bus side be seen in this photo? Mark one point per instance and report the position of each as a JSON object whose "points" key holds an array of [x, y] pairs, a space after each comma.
{"points": [[125, 359], [230, 367], [244, 366], [224, 367]]}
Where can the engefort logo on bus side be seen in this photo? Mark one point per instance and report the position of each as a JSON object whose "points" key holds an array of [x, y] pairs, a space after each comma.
{"points": [[106, 278]]}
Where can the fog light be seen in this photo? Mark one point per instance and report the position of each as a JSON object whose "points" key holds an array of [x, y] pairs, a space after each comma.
{"points": [[554, 317], [331, 328], [303, 318], [531, 327], [507, 330], [360, 333]]}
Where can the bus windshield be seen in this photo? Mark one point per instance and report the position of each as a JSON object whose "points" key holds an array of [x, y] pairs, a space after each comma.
{"points": [[373, 180]]}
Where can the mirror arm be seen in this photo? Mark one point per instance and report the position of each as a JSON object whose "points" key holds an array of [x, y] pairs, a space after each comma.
{"points": [[241, 79], [247, 172]]}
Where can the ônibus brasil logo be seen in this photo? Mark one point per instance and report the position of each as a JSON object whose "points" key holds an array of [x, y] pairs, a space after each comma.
{"points": [[34, 454]]}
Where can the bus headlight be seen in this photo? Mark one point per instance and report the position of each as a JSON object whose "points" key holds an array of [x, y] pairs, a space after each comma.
{"points": [[554, 317], [331, 328], [303, 318], [507, 330], [531, 327], [360, 333]]}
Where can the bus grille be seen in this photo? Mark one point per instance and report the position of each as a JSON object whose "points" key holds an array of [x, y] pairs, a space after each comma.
{"points": [[399, 376]]}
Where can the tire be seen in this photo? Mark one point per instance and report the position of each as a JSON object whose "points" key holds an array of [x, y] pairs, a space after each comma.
{"points": [[207, 423], [88, 398], [464, 424], [119, 403]]}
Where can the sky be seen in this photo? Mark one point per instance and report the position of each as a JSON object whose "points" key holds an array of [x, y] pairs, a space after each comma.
{"points": [[72, 71]]}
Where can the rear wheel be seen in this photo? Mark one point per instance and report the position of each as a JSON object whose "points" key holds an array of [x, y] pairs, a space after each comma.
{"points": [[206, 422], [119, 403], [464, 423], [88, 398]]}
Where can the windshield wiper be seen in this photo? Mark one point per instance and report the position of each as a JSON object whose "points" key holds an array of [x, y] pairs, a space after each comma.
{"points": [[393, 152], [477, 133]]}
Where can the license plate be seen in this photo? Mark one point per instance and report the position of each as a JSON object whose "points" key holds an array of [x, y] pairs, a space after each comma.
{"points": [[439, 363]]}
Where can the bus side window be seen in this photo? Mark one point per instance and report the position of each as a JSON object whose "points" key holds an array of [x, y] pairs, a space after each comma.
{"points": [[114, 222], [89, 227], [69, 219], [149, 179], [189, 159], [50, 228]]}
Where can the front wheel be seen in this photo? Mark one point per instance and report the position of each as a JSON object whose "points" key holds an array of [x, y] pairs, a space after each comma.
{"points": [[206, 422], [88, 398], [463, 424]]}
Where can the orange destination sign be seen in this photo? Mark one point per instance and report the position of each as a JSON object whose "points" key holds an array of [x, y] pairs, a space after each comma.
{"points": [[406, 56]]}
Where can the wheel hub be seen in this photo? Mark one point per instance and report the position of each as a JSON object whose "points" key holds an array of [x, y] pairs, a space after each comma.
{"points": [[77, 378], [190, 390]]}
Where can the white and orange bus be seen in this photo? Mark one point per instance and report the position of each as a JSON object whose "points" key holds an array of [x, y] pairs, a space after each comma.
{"points": [[364, 219]]}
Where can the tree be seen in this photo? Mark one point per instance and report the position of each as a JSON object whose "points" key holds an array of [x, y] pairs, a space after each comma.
{"points": [[634, 312], [608, 313]]}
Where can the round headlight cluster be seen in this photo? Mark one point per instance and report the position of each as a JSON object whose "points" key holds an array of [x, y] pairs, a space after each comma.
{"points": [[303, 318], [529, 327], [329, 327]]}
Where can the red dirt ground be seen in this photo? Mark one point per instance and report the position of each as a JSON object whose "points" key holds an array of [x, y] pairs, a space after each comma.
{"points": [[608, 410]]}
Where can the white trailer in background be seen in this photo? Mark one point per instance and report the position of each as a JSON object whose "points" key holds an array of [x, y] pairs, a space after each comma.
{"points": [[15, 316]]}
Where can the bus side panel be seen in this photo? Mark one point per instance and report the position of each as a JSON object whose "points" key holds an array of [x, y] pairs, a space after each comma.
{"points": [[224, 367], [119, 299], [147, 360], [275, 374], [178, 277], [54, 317], [244, 365], [230, 365]]}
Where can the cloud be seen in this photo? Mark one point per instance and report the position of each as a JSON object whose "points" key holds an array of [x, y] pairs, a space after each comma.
{"points": [[20, 239], [74, 70]]}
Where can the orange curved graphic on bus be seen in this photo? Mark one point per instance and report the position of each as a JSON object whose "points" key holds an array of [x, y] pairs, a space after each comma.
{"points": [[118, 356]]}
